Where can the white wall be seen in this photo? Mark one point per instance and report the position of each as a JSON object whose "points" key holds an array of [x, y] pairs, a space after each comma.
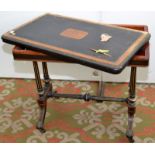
{"points": [[11, 68]]}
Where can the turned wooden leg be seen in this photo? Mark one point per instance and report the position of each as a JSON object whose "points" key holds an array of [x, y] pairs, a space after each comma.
{"points": [[131, 104], [40, 125], [100, 91], [101, 86], [45, 73], [48, 85], [42, 101]]}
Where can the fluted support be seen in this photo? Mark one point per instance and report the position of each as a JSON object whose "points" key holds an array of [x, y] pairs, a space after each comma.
{"points": [[42, 101], [131, 103]]}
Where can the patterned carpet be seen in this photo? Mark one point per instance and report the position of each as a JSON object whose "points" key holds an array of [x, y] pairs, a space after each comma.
{"points": [[70, 120]]}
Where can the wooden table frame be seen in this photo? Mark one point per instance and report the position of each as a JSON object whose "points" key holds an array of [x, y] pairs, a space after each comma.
{"points": [[46, 91]]}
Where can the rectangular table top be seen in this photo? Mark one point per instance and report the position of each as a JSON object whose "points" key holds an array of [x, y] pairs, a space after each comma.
{"points": [[79, 41]]}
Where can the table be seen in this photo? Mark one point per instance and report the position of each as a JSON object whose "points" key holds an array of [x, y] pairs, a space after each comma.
{"points": [[27, 53], [101, 46]]}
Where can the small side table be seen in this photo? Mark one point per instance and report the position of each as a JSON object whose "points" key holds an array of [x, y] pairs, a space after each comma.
{"points": [[141, 59]]}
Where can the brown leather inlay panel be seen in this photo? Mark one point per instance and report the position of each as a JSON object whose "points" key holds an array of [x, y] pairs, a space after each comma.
{"points": [[74, 33]]}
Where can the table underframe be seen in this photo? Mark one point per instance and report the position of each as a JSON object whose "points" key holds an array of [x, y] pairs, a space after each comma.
{"points": [[46, 91]]}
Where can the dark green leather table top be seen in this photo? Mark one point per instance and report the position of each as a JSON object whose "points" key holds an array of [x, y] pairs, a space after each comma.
{"points": [[73, 39]]}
